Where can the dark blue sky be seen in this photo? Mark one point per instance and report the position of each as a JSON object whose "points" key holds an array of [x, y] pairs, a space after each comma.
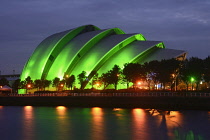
{"points": [[180, 24]]}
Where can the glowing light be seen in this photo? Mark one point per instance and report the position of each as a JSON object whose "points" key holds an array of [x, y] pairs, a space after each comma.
{"points": [[138, 111], [192, 79], [138, 121], [28, 107], [117, 109], [29, 86], [97, 84], [61, 110], [28, 120], [97, 110], [98, 124]]}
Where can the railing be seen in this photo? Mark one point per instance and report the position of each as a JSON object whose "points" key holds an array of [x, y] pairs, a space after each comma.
{"points": [[155, 94]]}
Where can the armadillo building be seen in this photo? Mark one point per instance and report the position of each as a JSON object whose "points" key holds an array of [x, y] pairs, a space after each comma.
{"points": [[89, 48]]}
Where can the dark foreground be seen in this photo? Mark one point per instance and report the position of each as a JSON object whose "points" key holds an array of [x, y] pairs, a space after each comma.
{"points": [[169, 103]]}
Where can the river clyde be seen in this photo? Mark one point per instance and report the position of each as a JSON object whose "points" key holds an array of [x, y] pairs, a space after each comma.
{"points": [[64, 123]]}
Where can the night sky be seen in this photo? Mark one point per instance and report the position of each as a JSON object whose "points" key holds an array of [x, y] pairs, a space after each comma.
{"points": [[180, 24]]}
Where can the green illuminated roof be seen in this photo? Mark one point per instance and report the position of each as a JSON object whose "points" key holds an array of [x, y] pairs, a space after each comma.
{"points": [[88, 48]]}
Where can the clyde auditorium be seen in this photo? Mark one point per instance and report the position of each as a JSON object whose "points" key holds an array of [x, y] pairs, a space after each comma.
{"points": [[90, 49]]}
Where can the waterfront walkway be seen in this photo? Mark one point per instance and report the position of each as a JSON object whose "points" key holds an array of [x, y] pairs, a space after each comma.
{"points": [[154, 94]]}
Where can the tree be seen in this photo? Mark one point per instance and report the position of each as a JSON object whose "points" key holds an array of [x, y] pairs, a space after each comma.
{"points": [[185, 73], [28, 83], [45, 83], [128, 73], [16, 86], [115, 75], [152, 72], [56, 82], [94, 79], [192, 71], [4, 81], [134, 72], [22, 84], [105, 79], [196, 69], [38, 84], [207, 70], [82, 79], [70, 81], [168, 71]]}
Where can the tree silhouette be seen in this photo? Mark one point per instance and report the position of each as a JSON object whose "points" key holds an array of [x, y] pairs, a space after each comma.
{"points": [[38, 84], [134, 72], [207, 70], [4, 81], [95, 80], [152, 72], [16, 85], [45, 83], [70, 81], [56, 82], [82, 79], [105, 79], [168, 71], [196, 67]]}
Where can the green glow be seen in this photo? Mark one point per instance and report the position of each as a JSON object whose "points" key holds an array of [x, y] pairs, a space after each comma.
{"points": [[88, 46], [192, 79], [115, 49], [90, 54], [160, 45], [62, 62]]}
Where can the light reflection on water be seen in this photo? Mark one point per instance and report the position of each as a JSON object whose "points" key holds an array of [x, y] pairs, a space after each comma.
{"points": [[139, 126], [28, 120], [63, 123], [97, 124]]}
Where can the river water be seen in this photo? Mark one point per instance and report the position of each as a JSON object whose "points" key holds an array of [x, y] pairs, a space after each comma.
{"points": [[65, 123]]}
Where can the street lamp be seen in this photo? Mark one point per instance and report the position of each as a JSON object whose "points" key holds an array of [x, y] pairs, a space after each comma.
{"points": [[97, 85], [29, 86]]}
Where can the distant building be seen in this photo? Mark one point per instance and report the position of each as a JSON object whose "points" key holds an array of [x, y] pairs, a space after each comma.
{"points": [[88, 48], [11, 78]]}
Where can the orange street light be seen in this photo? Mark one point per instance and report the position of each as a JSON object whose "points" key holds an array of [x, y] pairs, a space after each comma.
{"points": [[29, 86], [97, 84]]}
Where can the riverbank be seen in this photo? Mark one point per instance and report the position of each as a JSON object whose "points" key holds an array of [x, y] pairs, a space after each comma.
{"points": [[168, 103]]}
